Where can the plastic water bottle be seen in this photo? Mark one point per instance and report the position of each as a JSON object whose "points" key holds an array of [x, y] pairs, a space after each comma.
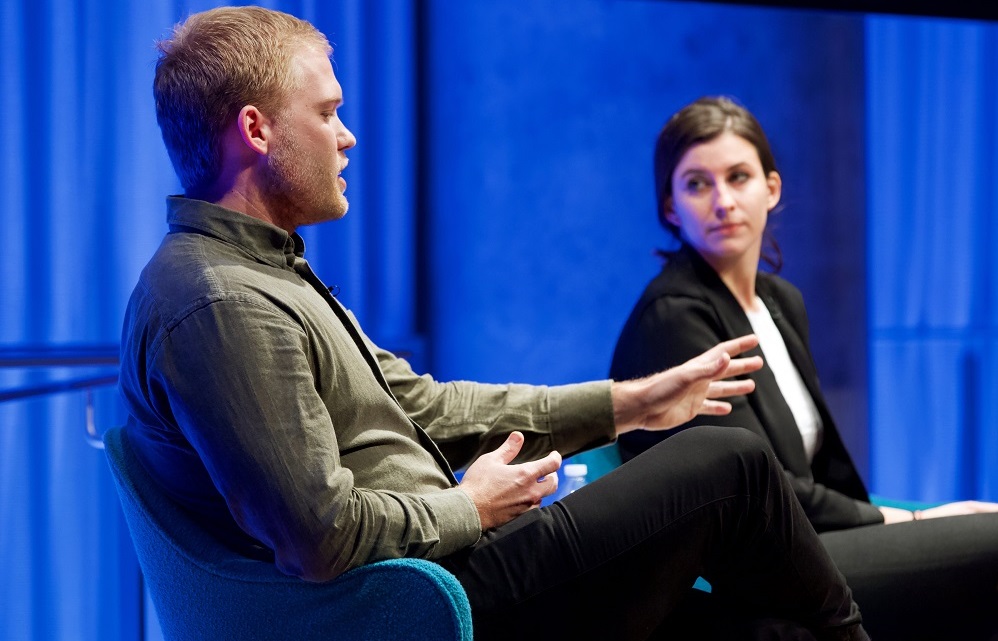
{"points": [[575, 477]]}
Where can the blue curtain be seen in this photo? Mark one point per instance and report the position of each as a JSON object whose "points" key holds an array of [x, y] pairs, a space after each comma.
{"points": [[84, 177], [82, 180], [933, 279], [541, 218], [501, 223]]}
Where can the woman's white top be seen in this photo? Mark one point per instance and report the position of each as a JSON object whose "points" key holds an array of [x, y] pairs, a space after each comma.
{"points": [[774, 351]]}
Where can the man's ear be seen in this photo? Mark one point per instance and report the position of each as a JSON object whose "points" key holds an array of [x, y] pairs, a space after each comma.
{"points": [[254, 128]]}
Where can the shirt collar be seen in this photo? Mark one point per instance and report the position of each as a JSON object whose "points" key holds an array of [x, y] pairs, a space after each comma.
{"points": [[264, 241]]}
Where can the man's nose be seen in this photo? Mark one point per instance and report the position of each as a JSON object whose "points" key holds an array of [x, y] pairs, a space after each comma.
{"points": [[347, 139]]}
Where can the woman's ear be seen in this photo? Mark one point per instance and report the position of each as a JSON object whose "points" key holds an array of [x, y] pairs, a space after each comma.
{"points": [[668, 213], [775, 184]]}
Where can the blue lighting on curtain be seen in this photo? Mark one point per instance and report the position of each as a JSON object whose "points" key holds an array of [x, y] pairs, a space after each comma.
{"points": [[84, 177], [933, 229], [501, 224]]}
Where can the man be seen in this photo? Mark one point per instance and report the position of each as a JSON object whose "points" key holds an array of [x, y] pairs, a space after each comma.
{"points": [[259, 404]]}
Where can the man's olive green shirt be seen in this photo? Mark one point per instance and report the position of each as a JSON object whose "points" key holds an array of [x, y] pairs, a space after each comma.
{"points": [[258, 403]]}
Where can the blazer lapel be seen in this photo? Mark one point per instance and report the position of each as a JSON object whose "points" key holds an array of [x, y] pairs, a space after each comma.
{"points": [[833, 466], [767, 400]]}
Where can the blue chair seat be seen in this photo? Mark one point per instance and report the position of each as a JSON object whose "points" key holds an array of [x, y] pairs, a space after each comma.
{"points": [[203, 590]]}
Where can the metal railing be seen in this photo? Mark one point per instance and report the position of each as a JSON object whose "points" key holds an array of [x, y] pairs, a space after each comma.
{"points": [[104, 357]]}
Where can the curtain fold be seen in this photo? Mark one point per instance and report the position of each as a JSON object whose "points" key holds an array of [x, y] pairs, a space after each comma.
{"points": [[932, 147], [85, 175]]}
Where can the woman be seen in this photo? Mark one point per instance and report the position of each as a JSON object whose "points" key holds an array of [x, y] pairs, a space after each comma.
{"points": [[717, 182]]}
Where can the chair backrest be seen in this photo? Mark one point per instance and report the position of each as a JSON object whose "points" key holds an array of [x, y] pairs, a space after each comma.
{"points": [[203, 590]]}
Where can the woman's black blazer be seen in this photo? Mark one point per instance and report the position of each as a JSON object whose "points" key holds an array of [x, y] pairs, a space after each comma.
{"points": [[685, 311]]}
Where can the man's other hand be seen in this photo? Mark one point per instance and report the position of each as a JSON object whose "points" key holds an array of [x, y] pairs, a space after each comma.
{"points": [[502, 491]]}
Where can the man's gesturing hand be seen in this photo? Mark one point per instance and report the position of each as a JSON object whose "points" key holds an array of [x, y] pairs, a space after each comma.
{"points": [[673, 397], [501, 491]]}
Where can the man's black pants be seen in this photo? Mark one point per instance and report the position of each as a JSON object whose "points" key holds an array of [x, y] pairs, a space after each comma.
{"points": [[616, 559]]}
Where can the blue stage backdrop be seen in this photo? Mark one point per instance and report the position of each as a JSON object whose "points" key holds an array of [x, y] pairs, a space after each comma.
{"points": [[540, 211], [502, 224], [933, 279]]}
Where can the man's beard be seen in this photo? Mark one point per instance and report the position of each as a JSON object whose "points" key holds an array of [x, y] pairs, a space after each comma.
{"points": [[298, 194]]}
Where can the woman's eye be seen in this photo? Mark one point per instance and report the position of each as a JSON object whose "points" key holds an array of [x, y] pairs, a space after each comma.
{"points": [[695, 184], [739, 177]]}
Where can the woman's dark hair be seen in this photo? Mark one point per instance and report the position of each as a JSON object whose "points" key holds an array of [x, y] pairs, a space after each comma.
{"points": [[702, 121]]}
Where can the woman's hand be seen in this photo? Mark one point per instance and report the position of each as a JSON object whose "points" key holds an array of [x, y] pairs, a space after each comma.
{"points": [[959, 508], [896, 515]]}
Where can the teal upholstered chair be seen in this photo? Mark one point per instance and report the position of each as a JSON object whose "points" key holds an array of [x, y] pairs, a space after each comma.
{"points": [[203, 590]]}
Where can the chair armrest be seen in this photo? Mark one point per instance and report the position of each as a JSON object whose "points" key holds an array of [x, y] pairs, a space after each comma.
{"points": [[911, 506]]}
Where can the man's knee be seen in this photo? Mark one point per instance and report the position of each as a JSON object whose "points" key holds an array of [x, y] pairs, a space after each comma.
{"points": [[745, 457], [730, 440]]}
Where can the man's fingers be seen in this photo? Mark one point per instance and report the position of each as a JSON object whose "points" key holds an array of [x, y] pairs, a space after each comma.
{"points": [[510, 448], [722, 389], [711, 364], [726, 367], [736, 346], [545, 470], [719, 361], [715, 408], [546, 466], [739, 366], [548, 485]]}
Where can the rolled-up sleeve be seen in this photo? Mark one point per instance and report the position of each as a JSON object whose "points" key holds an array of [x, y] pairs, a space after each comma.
{"points": [[467, 419]]}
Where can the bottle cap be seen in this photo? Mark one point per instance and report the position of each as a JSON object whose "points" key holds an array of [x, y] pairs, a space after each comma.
{"points": [[576, 469]]}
